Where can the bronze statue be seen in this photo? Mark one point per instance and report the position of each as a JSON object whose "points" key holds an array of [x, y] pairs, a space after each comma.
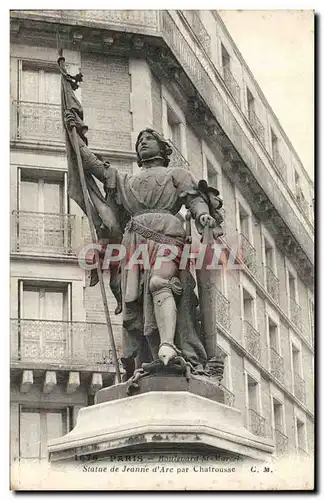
{"points": [[159, 306]]}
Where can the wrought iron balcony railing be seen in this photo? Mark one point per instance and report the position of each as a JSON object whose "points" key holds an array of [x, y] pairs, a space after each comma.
{"points": [[295, 313], [34, 232], [60, 342], [37, 122], [252, 340], [257, 126], [281, 442], [282, 167], [272, 283], [277, 365], [177, 159], [248, 254], [232, 85], [131, 18], [257, 423], [223, 311], [229, 397], [199, 29], [299, 388]]}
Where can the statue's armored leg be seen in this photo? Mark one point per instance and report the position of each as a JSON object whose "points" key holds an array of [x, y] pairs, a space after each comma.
{"points": [[165, 311]]}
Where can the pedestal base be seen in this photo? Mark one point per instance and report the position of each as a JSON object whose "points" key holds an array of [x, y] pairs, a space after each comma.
{"points": [[169, 421]]}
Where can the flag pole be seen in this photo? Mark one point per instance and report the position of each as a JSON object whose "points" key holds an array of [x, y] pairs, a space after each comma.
{"points": [[94, 238]]}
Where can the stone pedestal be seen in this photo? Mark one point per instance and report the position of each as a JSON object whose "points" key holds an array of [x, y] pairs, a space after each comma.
{"points": [[189, 417]]}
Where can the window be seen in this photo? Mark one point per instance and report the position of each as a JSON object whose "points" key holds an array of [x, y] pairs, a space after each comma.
{"points": [[39, 82], [250, 103], [174, 132], [244, 222], [279, 435], [294, 307], [226, 60], [37, 427], [256, 421], [253, 394], [273, 335], [226, 381], [296, 360], [297, 182], [47, 301], [248, 307], [37, 114], [271, 280], [269, 255], [226, 378], [43, 223], [311, 317], [278, 415], [301, 436], [245, 239], [275, 358], [274, 145], [292, 285], [251, 335], [42, 191], [44, 313], [299, 383], [212, 175]]}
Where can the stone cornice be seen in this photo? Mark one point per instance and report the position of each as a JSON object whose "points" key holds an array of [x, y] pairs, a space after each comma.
{"points": [[59, 148]]}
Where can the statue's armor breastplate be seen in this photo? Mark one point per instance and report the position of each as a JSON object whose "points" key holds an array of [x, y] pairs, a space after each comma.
{"points": [[154, 188]]}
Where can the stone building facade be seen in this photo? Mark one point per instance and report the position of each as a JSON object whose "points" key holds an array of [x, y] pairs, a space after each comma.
{"points": [[181, 73]]}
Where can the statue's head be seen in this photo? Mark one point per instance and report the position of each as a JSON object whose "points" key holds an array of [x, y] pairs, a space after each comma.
{"points": [[152, 145]]}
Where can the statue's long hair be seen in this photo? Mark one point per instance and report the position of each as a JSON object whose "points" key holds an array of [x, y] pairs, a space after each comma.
{"points": [[165, 146]]}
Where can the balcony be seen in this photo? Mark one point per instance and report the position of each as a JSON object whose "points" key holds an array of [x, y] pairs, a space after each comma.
{"points": [[277, 365], [282, 167], [42, 233], [37, 122], [129, 20], [252, 340], [177, 159], [60, 343], [257, 423], [199, 29], [272, 284], [295, 313], [229, 397], [281, 441], [257, 126], [299, 388], [232, 85], [248, 254], [223, 310]]}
